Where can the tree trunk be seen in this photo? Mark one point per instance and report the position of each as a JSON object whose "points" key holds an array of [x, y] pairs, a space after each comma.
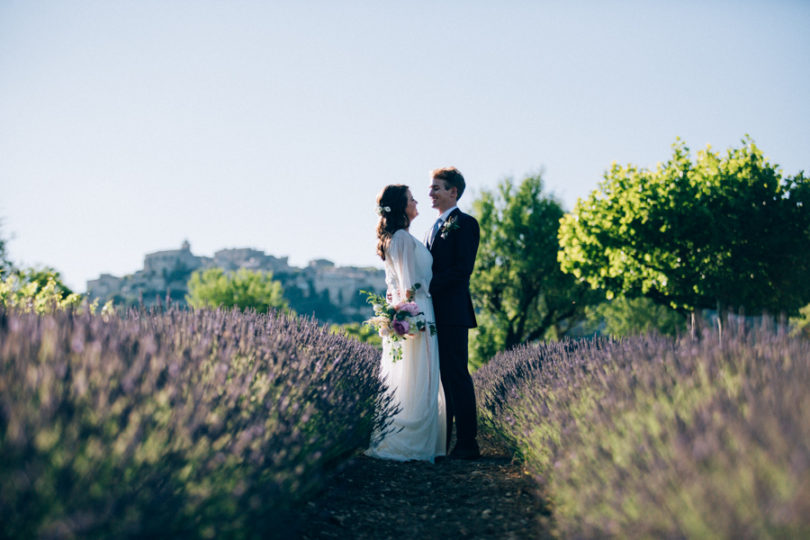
{"points": [[692, 324], [719, 321]]}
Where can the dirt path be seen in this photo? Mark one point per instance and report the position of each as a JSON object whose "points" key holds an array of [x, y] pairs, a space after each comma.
{"points": [[376, 499]]}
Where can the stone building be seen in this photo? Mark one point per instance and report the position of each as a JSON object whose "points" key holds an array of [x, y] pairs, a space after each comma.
{"points": [[329, 293], [104, 287], [165, 262], [253, 259]]}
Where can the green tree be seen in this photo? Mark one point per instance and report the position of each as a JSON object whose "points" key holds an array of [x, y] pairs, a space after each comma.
{"points": [[721, 232], [41, 277], [521, 293], [245, 289], [801, 325], [624, 316], [40, 290], [359, 331], [5, 263]]}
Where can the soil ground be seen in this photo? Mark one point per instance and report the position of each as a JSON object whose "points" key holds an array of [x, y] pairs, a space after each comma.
{"points": [[376, 499]]}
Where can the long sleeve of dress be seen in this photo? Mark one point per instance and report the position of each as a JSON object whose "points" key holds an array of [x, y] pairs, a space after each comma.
{"points": [[402, 256]]}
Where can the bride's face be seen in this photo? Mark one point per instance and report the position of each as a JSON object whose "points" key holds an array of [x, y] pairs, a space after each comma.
{"points": [[411, 210]]}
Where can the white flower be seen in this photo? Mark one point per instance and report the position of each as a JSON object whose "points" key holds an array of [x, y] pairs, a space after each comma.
{"points": [[382, 210]]}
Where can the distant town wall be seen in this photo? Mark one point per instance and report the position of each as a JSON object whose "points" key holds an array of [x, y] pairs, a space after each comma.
{"points": [[327, 292]]}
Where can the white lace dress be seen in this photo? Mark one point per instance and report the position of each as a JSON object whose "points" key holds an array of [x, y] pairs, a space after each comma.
{"points": [[418, 431]]}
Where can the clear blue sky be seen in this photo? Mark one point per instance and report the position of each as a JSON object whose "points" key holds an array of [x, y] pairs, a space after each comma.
{"points": [[127, 127]]}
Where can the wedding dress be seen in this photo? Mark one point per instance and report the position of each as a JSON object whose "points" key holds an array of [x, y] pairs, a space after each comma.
{"points": [[418, 431]]}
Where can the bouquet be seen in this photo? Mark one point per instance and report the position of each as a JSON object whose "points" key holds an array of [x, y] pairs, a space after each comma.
{"points": [[398, 321]]}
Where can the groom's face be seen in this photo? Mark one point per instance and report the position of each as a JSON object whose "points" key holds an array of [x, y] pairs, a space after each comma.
{"points": [[441, 197]]}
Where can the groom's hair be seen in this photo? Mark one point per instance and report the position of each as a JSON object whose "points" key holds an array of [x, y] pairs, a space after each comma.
{"points": [[451, 177]]}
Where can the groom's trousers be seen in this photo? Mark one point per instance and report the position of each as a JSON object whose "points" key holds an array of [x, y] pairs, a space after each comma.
{"points": [[458, 385]]}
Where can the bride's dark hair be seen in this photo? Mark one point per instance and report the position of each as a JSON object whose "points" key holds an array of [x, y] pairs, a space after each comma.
{"points": [[391, 204]]}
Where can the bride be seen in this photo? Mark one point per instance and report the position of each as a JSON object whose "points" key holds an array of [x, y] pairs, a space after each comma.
{"points": [[418, 430]]}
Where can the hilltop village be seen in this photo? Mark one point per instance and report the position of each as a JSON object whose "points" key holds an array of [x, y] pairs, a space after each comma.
{"points": [[329, 293]]}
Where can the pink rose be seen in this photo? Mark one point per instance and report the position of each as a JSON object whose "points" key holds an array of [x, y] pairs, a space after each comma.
{"points": [[411, 308]]}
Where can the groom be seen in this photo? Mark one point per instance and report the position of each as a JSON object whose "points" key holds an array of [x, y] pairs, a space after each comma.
{"points": [[453, 242]]}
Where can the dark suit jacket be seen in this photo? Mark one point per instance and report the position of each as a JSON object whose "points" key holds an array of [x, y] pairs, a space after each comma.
{"points": [[453, 262]]}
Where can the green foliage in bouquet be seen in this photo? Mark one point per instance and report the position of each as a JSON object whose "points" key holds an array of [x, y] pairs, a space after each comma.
{"points": [[397, 322]]}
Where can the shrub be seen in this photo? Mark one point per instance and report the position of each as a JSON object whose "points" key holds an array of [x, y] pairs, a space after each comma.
{"points": [[37, 290], [801, 324], [624, 316], [244, 289], [662, 438], [180, 423], [360, 331]]}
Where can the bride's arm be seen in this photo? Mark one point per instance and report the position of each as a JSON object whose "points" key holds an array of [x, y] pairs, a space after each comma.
{"points": [[401, 250]]}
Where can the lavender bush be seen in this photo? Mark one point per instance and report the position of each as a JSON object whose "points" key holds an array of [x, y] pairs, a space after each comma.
{"points": [[662, 438], [179, 423]]}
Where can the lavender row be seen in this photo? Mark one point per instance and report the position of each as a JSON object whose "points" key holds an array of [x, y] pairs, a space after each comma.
{"points": [[180, 423], [662, 438]]}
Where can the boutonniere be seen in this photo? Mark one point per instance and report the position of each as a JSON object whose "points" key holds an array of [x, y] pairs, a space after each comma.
{"points": [[450, 225]]}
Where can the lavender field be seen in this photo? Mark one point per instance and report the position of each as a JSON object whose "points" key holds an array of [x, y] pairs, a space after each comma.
{"points": [[661, 438], [177, 423], [207, 424]]}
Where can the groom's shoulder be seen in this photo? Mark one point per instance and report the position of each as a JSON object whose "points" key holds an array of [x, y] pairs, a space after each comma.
{"points": [[463, 217]]}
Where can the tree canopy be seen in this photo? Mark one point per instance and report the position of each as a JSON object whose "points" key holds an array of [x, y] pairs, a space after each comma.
{"points": [[519, 289], [722, 231], [623, 317], [244, 289], [5, 263], [38, 289]]}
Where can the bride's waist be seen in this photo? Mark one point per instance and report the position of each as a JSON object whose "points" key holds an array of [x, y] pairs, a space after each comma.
{"points": [[418, 297]]}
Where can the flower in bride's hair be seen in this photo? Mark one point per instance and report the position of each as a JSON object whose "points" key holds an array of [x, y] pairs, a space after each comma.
{"points": [[382, 210]]}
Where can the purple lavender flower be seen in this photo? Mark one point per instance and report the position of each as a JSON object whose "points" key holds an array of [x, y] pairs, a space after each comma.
{"points": [[649, 422], [209, 367]]}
